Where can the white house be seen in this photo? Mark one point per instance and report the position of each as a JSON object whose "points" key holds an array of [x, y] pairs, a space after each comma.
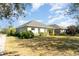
{"points": [[34, 26]]}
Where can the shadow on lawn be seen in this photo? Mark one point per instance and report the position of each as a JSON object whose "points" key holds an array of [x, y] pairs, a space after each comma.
{"points": [[11, 53], [49, 43]]}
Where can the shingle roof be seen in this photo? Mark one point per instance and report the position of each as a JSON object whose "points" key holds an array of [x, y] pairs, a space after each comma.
{"points": [[34, 23], [54, 26]]}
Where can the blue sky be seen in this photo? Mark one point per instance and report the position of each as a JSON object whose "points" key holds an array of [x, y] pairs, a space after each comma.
{"points": [[45, 13]]}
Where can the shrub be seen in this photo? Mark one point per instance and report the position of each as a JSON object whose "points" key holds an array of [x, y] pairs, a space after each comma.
{"points": [[31, 34], [25, 34], [50, 31], [11, 31], [78, 29], [63, 34], [20, 35], [41, 34], [71, 30], [17, 34]]}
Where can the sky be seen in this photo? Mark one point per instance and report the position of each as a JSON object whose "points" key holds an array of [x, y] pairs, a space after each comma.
{"points": [[47, 13]]}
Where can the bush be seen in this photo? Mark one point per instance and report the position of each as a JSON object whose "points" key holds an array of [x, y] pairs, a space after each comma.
{"points": [[31, 34], [63, 34], [50, 31], [22, 35], [19, 35], [71, 30], [25, 34], [41, 34], [78, 29], [11, 31]]}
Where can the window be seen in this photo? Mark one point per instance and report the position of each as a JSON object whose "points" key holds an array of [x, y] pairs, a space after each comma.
{"points": [[32, 28]]}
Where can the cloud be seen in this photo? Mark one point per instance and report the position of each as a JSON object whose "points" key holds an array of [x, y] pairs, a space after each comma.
{"points": [[4, 23], [62, 20], [55, 6], [20, 21], [59, 16], [68, 22], [36, 6], [55, 19], [59, 8], [39, 20], [58, 11], [50, 17]]}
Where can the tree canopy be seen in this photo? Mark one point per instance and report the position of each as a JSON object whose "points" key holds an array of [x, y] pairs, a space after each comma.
{"points": [[9, 10], [74, 9]]}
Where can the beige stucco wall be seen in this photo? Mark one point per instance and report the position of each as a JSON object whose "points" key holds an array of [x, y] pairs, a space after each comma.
{"points": [[28, 28], [37, 30], [42, 30]]}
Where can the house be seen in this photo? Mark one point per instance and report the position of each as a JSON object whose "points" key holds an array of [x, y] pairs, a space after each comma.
{"points": [[34, 26], [57, 30], [38, 27]]}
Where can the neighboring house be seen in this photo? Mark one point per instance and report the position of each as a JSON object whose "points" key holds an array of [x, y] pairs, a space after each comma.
{"points": [[38, 27], [56, 29]]}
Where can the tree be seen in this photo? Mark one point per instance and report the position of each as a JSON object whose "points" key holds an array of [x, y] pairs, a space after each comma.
{"points": [[11, 31], [71, 30], [74, 7], [10, 10], [78, 29], [74, 11]]}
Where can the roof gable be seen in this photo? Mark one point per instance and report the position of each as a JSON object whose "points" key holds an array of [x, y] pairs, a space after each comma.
{"points": [[54, 26], [34, 23]]}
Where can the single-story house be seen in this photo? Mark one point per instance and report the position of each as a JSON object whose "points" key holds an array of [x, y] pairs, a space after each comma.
{"points": [[56, 29], [34, 26], [38, 27]]}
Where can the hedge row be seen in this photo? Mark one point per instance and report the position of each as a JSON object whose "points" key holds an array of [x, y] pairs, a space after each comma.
{"points": [[26, 34], [22, 35]]}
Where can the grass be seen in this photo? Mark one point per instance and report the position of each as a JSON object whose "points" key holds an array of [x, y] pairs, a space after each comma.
{"points": [[40, 46]]}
